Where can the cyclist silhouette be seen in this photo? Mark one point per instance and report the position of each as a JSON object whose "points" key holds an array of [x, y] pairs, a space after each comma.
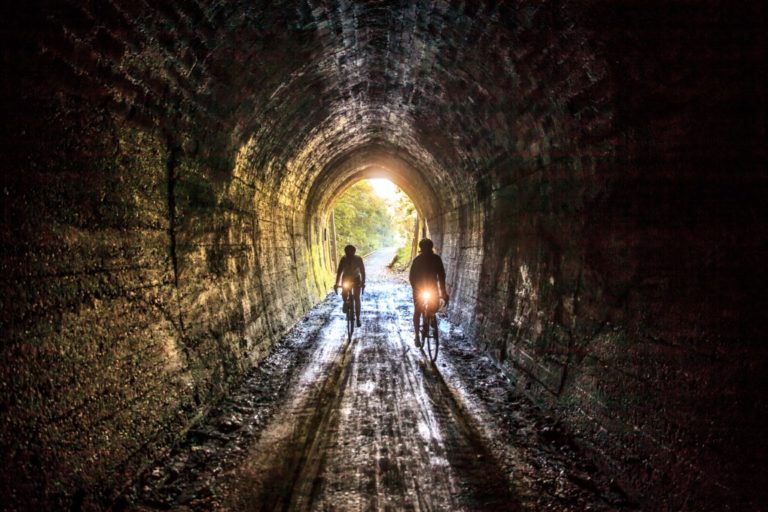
{"points": [[351, 270], [427, 275]]}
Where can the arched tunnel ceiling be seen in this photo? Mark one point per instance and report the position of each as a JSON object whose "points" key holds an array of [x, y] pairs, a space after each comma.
{"points": [[319, 85], [374, 162]]}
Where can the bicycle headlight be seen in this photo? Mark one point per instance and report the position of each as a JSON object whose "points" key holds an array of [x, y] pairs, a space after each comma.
{"points": [[426, 296]]}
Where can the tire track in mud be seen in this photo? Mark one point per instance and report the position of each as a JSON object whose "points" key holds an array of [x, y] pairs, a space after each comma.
{"points": [[387, 445], [483, 484], [486, 485], [289, 456]]}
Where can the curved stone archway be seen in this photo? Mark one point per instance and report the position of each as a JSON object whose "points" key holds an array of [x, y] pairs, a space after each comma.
{"points": [[375, 162], [593, 181]]}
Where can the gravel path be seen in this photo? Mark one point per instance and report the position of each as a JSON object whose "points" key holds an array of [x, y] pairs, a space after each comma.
{"points": [[368, 424]]}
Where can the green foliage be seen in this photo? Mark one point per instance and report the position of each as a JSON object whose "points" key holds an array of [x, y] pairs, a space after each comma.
{"points": [[404, 221], [402, 258], [370, 222], [363, 219], [404, 216]]}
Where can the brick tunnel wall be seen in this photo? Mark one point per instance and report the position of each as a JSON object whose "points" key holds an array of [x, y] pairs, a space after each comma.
{"points": [[616, 271], [597, 183], [608, 249], [146, 265]]}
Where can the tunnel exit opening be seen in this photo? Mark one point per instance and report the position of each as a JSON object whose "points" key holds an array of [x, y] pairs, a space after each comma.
{"points": [[373, 214], [384, 168]]}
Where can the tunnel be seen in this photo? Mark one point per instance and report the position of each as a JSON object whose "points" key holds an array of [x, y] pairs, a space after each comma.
{"points": [[590, 171]]}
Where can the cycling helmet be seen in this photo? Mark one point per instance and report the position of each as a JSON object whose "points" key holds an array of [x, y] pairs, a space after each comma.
{"points": [[426, 245], [350, 250]]}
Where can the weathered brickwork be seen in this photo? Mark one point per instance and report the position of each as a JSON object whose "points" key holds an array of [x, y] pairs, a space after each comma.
{"points": [[147, 261], [616, 279], [589, 170]]}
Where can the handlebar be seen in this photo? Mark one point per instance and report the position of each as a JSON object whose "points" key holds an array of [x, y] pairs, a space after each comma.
{"points": [[336, 289], [442, 302]]}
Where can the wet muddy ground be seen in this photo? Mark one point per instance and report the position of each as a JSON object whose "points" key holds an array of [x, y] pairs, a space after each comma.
{"points": [[368, 424]]}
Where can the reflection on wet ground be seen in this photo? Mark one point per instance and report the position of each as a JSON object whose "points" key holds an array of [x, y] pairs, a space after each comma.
{"points": [[367, 424]]}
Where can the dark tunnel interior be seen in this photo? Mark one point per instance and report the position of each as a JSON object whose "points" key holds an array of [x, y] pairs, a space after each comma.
{"points": [[591, 172]]}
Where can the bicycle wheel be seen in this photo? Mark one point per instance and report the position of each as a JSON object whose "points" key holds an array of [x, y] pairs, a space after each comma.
{"points": [[350, 319], [433, 342], [423, 329]]}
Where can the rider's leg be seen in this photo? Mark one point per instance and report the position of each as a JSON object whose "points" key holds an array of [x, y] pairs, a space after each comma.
{"points": [[416, 316], [357, 304]]}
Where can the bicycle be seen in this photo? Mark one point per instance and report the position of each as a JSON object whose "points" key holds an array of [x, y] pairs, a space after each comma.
{"points": [[428, 325]]}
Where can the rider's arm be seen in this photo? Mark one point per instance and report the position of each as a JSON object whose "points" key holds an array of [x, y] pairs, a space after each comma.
{"points": [[338, 272], [441, 278], [412, 274], [362, 270]]}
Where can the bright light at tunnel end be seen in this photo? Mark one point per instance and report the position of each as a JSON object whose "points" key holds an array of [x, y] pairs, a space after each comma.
{"points": [[383, 188]]}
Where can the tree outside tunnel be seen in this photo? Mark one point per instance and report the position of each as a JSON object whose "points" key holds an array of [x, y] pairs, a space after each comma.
{"points": [[372, 214]]}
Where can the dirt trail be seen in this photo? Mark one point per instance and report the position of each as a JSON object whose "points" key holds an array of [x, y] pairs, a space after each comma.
{"points": [[368, 424]]}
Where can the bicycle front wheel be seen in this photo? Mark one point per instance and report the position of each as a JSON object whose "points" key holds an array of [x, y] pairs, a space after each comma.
{"points": [[423, 330], [432, 340], [350, 320]]}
